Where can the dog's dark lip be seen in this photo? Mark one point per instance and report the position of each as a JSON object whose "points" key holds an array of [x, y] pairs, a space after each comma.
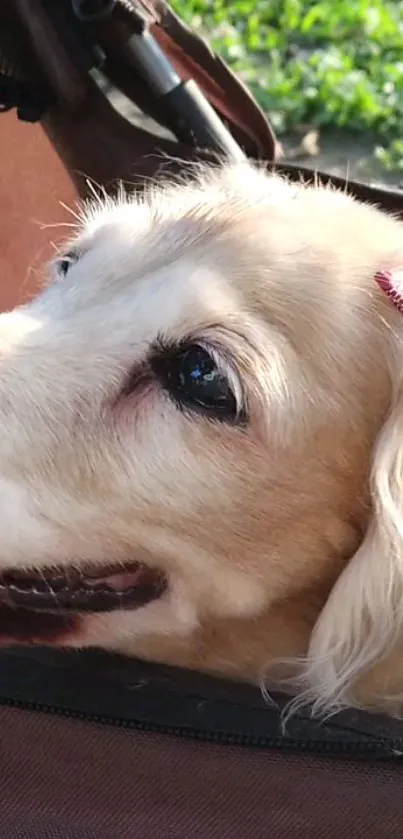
{"points": [[69, 591]]}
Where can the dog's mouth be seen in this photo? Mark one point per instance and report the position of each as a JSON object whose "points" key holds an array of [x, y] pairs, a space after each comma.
{"points": [[69, 592]]}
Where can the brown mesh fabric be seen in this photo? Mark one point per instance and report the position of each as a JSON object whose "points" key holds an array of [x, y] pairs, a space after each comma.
{"points": [[68, 779]]}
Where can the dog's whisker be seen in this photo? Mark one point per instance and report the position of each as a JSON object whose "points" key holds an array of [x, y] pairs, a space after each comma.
{"points": [[97, 191], [55, 225], [76, 214]]}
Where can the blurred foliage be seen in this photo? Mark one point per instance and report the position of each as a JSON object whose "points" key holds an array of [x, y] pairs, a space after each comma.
{"points": [[327, 63]]}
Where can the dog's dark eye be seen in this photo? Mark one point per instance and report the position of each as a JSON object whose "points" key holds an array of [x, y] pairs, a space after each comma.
{"points": [[194, 380], [65, 262]]}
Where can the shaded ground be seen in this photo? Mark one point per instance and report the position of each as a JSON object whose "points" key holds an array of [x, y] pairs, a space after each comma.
{"points": [[344, 154]]}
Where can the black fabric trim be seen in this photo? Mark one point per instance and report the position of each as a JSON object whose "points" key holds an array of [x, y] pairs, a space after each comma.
{"points": [[31, 102], [104, 685]]}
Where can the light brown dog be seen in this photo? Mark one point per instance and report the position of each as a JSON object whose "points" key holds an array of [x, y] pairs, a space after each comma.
{"points": [[201, 440]]}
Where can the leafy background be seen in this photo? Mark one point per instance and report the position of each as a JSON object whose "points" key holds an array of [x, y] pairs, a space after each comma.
{"points": [[316, 66]]}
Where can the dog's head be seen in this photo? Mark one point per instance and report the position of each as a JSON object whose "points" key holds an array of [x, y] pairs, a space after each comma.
{"points": [[201, 421]]}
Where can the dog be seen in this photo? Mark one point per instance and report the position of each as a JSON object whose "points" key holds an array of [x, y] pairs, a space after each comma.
{"points": [[201, 447]]}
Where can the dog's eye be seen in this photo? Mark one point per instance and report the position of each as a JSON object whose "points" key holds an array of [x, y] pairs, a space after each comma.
{"points": [[193, 379], [65, 262]]}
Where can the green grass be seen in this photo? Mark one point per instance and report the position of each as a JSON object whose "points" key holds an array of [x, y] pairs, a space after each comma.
{"points": [[325, 63]]}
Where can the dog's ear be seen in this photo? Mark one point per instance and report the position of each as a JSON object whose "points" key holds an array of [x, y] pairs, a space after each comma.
{"points": [[362, 620]]}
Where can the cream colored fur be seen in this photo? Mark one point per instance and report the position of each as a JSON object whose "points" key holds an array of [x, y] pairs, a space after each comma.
{"points": [[283, 540]]}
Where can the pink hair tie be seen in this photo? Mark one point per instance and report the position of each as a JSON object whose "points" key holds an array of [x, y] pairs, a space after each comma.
{"points": [[391, 282]]}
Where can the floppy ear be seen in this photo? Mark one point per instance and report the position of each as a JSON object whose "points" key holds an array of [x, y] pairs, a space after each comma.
{"points": [[363, 618]]}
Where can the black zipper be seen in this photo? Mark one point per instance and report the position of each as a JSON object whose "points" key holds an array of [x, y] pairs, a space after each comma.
{"points": [[109, 690], [373, 748]]}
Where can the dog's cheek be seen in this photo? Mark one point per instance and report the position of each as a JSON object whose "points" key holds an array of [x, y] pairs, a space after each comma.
{"points": [[136, 403], [155, 468], [173, 615], [22, 530]]}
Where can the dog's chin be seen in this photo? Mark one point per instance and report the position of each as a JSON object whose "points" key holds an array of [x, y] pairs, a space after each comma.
{"points": [[50, 605]]}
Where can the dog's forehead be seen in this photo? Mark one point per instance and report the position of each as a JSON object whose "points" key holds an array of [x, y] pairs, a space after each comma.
{"points": [[198, 255], [221, 220], [168, 222], [138, 282]]}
